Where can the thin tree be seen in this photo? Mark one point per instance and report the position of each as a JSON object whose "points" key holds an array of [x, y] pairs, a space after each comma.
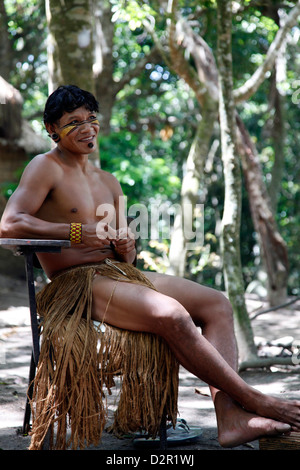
{"points": [[230, 237]]}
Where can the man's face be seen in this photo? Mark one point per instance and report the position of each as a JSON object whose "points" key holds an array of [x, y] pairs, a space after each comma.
{"points": [[78, 130]]}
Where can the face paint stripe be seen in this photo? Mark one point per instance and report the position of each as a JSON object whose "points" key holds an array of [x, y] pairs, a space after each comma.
{"points": [[69, 128]]}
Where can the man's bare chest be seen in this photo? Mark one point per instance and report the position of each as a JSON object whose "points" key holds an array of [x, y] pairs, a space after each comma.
{"points": [[78, 199]]}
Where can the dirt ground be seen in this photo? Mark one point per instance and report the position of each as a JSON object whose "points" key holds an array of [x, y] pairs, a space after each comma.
{"points": [[195, 408]]}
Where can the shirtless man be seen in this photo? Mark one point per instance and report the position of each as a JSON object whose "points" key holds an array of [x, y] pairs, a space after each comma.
{"points": [[61, 187]]}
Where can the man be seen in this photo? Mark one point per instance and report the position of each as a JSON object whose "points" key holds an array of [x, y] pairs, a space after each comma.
{"points": [[58, 197]]}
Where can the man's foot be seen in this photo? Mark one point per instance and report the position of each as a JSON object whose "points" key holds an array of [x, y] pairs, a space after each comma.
{"points": [[237, 426], [249, 428]]}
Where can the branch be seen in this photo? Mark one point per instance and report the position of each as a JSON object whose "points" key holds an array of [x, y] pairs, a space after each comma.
{"points": [[277, 307], [180, 39], [202, 54], [260, 362], [251, 86], [162, 47], [179, 63]]}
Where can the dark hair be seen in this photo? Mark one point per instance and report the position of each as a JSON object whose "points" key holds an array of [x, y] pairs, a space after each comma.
{"points": [[66, 99]]}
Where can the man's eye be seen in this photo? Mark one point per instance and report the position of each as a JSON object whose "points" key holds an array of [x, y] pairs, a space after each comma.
{"points": [[73, 122]]}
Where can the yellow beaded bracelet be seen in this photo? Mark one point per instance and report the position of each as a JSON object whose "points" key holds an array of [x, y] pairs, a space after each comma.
{"points": [[75, 232]]}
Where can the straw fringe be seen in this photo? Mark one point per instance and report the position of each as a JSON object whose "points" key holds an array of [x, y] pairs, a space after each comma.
{"points": [[78, 363]]}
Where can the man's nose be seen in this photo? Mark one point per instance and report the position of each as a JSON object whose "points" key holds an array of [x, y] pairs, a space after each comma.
{"points": [[84, 126]]}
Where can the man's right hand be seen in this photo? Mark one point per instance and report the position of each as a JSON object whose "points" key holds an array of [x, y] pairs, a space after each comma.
{"points": [[98, 235]]}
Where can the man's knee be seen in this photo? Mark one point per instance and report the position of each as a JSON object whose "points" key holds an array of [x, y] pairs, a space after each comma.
{"points": [[223, 307], [170, 316]]}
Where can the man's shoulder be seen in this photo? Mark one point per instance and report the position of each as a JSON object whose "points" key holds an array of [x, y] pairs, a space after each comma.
{"points": [[42, 168], [44, 161], [106, 177], [43, 158]]}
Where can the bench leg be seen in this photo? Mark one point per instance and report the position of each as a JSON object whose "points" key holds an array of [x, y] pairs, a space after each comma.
{"points": [[27, 414], [35, 338], [32, 307], [163, 433]]}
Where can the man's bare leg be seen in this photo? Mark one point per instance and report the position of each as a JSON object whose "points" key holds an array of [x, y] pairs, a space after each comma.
{"points": [[211, 311], [141, 309]]}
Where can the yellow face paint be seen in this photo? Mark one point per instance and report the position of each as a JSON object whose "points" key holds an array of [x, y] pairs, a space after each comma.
{"points": [[69, 128]]}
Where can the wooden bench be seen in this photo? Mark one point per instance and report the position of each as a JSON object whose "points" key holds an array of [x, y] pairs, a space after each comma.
{"points": [[28, 248]]}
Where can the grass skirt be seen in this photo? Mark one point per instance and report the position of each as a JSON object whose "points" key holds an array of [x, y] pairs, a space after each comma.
{"points": [[78, 362]]}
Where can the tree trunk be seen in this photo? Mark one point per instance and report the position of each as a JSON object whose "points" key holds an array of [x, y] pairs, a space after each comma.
{"points": [[208, 99], [273, 248], [6, 46], [71, 47], [277, 135], [230, 239], [190, 188], [104, 66]]}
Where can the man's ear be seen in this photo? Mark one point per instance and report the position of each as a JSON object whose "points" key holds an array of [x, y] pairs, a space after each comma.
{"points": [[50, 128]]}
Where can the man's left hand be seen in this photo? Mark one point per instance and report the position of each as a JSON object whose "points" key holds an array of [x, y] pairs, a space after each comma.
{"points": [[125, 241]]}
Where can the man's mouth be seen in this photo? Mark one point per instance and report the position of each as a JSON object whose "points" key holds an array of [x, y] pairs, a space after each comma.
{"points": [[87, 139]]}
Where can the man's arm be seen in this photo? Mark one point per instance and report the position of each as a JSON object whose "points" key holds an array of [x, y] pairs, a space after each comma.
{"points": [[19, 220]]}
